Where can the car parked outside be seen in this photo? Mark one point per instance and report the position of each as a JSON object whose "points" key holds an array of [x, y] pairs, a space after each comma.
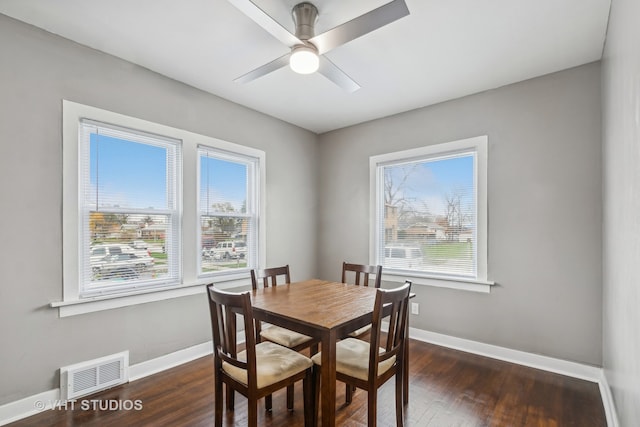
{"points": [[139, 244], [98, 252], [229, 250], [121, 265], [401, 256]]}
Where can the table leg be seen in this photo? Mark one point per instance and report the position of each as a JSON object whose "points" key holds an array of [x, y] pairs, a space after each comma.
{"points": [[328, 379]]}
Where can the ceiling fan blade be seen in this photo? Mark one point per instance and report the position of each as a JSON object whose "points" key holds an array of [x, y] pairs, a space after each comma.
{"points": [[336, 75], [260, 17], [265, 69], [360, 26]]}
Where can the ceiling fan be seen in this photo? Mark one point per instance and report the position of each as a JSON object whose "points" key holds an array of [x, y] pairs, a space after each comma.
{"points": [[308, 49]]}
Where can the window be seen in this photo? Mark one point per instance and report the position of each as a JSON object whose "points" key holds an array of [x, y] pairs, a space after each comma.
{"points": [[228, 211], [128, 191], [429, 214], [144, 205]]}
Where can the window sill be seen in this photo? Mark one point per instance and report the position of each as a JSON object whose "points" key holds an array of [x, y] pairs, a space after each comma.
{"points": [[472, 285], [107, 302]]}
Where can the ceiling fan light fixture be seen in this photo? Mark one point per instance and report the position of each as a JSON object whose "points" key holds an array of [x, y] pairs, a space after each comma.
{"points": [[304, 59]]}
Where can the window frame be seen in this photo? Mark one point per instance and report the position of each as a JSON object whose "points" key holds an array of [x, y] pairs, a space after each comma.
{"points": [[172, 211], [253, 204], [190, 282], [479, 145]]}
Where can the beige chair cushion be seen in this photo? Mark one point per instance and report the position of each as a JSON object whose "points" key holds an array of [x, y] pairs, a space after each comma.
{"points": [[352, 358], [273, 363], [283, 336], [360, 331]]}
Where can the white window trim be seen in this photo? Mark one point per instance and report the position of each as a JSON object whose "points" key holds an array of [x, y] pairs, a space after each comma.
{"points": [[190, 283], [481, 282]]}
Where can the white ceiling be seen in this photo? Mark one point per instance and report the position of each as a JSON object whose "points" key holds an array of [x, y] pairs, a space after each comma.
{"points": [[443, 50]]}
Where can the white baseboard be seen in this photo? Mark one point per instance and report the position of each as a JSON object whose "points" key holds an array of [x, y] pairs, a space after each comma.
{"points": [[32, 405], [171, 360], [558, 366], [607, 401]]}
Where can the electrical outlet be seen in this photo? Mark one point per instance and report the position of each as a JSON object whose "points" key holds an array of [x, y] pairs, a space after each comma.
{"points": [[415, 308]]}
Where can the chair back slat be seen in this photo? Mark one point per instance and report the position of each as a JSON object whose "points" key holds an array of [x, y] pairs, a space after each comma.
{"points": [[362, 273]]}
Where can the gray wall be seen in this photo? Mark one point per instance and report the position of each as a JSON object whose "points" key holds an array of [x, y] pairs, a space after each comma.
{"points": [[37, 71], [621, 148], [544, 179]]}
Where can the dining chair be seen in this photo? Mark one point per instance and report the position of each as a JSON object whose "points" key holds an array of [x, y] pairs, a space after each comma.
{"points": [[285, 337], [258, 370], [361, 275], [368, 365]]}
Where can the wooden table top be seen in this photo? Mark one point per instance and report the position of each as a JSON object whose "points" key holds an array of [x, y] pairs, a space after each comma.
{"points": [[318, 303]]}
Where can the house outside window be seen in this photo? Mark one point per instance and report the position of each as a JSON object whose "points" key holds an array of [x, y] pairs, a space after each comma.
{"points": [[429, 214]]}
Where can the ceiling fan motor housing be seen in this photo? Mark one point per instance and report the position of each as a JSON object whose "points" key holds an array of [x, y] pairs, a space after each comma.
{"points": [[305, 16]]}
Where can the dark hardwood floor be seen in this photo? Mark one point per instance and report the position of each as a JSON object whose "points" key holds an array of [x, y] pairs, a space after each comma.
{"points": [[447, 388]]}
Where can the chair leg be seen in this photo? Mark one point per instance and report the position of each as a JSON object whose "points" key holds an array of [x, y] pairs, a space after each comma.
{"points": [[348, 393], [252, 408], [218, 402], [268, 403], [316, 394], [290, 398], [400, 381], [309, 401], [231, 397], [372, 408], [405, 369]]}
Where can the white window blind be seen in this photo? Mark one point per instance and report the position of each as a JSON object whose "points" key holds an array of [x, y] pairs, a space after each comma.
{"points": [[130, 204], [430, 211], [228, 210]]}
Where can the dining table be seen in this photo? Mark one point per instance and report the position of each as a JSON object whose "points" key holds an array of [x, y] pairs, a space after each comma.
{"points": [[324, 310]]}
